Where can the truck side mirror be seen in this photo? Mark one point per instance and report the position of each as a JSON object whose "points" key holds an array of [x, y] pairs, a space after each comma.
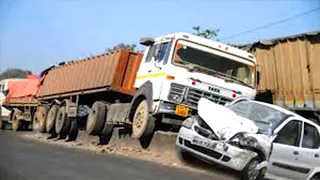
{"points": [[146, 41], [258, 77]]}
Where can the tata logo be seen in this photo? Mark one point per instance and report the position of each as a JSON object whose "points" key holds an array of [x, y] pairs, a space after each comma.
{"points": [[214, 89]]}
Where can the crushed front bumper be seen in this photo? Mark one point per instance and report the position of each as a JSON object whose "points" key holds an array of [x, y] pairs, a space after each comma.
{"points": [[214, 151]]}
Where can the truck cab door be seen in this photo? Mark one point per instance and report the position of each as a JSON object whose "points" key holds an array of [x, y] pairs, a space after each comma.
{"points": [[153, 68], [284, 158]]}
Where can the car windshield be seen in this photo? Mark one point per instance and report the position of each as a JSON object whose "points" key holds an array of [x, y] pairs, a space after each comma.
{"points": [[261, 115], [206, 60]]}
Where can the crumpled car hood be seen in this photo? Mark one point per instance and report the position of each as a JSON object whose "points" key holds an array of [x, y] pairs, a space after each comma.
{"points": [[224, 122]]}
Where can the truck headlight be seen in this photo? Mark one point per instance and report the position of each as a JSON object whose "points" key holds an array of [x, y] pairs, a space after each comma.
{"points": [[176, 92], [175, 97], [188, 122]]}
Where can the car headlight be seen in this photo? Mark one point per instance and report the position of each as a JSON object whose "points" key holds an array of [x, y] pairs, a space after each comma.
{"points": [[244, 140], [188, 122]]}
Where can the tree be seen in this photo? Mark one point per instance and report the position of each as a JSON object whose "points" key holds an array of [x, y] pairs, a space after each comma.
{"points": [[130, 47], [14, 73], [206, 33]]}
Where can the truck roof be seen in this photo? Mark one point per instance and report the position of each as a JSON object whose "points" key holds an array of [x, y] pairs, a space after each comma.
{"points": [[210, 43]]}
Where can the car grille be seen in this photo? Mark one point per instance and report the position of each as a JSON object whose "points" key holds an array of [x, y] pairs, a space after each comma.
{"points": [[194, 95]]}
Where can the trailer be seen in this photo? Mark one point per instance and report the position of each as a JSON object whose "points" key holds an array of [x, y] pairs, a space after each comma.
{"points": [[140, 93], [290, 71], [18, 102]]}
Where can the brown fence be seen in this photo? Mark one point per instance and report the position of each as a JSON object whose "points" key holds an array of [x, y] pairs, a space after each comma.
{"points": [[110, 71], [290, 69]]}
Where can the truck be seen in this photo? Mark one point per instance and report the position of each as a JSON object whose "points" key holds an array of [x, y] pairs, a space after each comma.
{"points": [[290, 73], [18, 102], [140, 93]]}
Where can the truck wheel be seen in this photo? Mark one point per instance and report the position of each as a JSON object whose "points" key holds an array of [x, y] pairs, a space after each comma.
{"points": [[96, 118], [3, 124], [73, 133], [51, 118], [25, 125], [140, 119], [106, 134], [250, 173], [40, 118], [147, 135], [62, 124], [16, 124]]}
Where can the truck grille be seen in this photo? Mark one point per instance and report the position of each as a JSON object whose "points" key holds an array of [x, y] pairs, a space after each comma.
{"points": [[177, 89], [194, 96]]}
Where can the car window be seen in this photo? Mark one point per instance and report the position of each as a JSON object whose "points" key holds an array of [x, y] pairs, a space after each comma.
{"points": [[290, 134], [310, 137]]}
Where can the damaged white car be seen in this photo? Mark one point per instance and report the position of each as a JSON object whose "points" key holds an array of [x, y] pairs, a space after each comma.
{"points": [[248, 136]]}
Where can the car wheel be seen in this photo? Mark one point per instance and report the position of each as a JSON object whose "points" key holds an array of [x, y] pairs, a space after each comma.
{"points": [[315, 177], [250, 172]]}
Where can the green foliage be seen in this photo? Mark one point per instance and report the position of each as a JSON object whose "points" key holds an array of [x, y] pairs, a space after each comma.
{"points": [[130, 47], [14, 73], [206, 33]]}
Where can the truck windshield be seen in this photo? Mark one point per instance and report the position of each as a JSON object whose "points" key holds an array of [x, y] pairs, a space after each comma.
{"points": [[206, 60]]}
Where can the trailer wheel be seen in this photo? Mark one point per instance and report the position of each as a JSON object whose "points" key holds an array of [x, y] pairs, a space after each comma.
{"points": [[140, 124], [16, 124], [106, 134], [73, 133], [3, 124], [62, 124], [51, 118], [96, 118], [40, 117]]}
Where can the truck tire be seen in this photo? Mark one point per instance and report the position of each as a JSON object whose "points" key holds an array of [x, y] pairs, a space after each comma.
{"points": [[96, 118], [16, 124], [106, 134], [25, 125], [3, 124], [39, 121], [62, 124], [140, 121], [51, 119], [73, 133], [147, 135], [248, 173]]}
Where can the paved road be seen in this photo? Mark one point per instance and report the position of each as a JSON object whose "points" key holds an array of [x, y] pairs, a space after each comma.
{"points": [[21, 159]]}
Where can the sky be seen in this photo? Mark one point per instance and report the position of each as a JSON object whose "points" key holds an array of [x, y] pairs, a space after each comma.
{"points": [[35, 34]]}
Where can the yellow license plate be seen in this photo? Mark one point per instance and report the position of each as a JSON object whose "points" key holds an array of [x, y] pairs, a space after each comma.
{"points": [[181, 110]]}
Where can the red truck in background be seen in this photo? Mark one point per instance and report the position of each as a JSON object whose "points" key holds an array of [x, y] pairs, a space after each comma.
{"points": [[18, 102]]}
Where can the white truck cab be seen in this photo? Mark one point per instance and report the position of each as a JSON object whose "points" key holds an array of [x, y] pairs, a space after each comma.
{"points": [[183, 67]]}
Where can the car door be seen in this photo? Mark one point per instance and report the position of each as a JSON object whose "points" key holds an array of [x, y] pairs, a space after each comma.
{"points": [[283, 160], [310, 149]]}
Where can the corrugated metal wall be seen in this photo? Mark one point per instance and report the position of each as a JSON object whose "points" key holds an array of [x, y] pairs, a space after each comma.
{"points": [[116, 70], [290, 68]]}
